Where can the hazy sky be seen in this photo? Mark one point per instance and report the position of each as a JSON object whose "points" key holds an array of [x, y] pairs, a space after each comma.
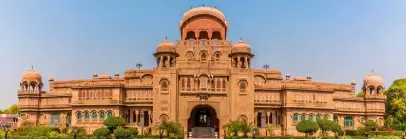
{"points": [[331, 40]]}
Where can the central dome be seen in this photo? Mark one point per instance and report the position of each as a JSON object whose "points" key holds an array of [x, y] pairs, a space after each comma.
{"points": [[373, 79], [204, 10]]}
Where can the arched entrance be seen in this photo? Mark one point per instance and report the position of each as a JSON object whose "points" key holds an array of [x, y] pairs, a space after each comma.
{"points": [[203, 117]]}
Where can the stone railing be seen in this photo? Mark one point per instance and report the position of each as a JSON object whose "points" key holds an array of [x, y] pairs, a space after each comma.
{"points": [[204, 42], [28, 92]]}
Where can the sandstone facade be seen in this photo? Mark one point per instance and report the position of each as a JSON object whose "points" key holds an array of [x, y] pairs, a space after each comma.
{"points": [[200, 80]]}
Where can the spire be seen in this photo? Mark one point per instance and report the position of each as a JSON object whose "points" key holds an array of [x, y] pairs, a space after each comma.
{"points": [[241, 40]]}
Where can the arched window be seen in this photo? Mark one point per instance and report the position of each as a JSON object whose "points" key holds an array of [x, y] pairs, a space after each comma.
{"points": [[94, 116], [243, 118], [216, 35], [348, 121], [101, 116], [302, 117], [190, 35], [109, 114], [203, 56], [164, 86], [79, 116], [318, 117], [87, 115], [217, 56], [295, 117], [371, 90], [164, 118], [326, 116], [243, 86], [203, 35], [311, 117], [189, 55]]}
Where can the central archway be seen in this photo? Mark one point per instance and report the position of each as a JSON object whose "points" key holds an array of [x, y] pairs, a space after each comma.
{"points": [[203, 116]]}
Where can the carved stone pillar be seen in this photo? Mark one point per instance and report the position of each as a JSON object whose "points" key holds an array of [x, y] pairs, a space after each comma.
{"points": [[246, 62], [149, 118], [268, 117], [160, 61], [255, 118], [136, 117], [131, 115]]}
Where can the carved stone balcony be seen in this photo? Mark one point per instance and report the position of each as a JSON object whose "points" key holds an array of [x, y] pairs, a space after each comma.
{"points": [[204, 42], [31, 106], [29, 92]]}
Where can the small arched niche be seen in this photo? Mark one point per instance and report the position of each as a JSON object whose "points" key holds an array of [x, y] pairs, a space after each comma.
{"points": [[203, 35], [190, 35], [216, 35]]}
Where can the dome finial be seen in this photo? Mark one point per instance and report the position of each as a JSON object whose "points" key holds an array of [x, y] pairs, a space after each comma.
{"points": [[373, 72], [166, 39], [241, 39], [203, 5]]}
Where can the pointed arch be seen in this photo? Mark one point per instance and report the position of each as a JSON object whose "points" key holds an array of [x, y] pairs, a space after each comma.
{"points": [[243, 86]]}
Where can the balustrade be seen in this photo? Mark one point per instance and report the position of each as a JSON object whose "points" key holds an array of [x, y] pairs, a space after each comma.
{"points": [[204, 42]]}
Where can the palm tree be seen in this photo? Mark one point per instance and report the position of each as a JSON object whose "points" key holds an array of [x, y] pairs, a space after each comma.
{"points": [[170, 127], [233, 127], [246, 127]]}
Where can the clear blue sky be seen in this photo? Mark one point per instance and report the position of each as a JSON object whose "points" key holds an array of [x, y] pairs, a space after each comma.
{"points": [[334, 40]]}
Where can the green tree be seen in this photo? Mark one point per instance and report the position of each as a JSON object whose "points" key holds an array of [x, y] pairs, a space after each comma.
{"points": [[246, 127], [170, 127], [360, 94], [308, 127], [370, 125], [328, 125], [233, 126], [122, 133], [396, 101], [13, 109], [101, 133], [113, 122]]}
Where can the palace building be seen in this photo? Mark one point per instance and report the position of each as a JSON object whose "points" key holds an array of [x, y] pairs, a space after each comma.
{"points": [[201, 81]]}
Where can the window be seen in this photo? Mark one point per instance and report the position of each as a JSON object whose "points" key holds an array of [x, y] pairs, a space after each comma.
{"points": [[243, 86], [164, 86], [295, 117], [217, 56], [101, 115], [109, 114], [318, 117], [87, 115], [94, 116], [303, 117], [335, 119], [203, 57], [326, 117], [348, 121], [79, 116], [311, 117]]}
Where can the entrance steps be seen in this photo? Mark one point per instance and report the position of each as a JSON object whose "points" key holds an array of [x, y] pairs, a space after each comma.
{"points": [[203, 132]]}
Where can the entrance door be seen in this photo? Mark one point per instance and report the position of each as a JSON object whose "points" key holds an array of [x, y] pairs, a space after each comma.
{"points": [[203, 116]]}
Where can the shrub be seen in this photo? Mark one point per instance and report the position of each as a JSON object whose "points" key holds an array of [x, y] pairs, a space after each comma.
{"points": [[134, 131], [122, 133], [101, 133], [352, 133], [113, 122], [308, 127]]}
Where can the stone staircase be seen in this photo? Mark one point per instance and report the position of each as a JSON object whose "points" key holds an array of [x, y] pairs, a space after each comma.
{"points": [[203, 132]]}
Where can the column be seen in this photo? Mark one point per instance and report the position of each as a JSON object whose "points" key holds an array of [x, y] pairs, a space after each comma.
{"points": [[255, 118], [246, 62], [131, 116], [268, 117], [136, 117], [149, 118]]}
